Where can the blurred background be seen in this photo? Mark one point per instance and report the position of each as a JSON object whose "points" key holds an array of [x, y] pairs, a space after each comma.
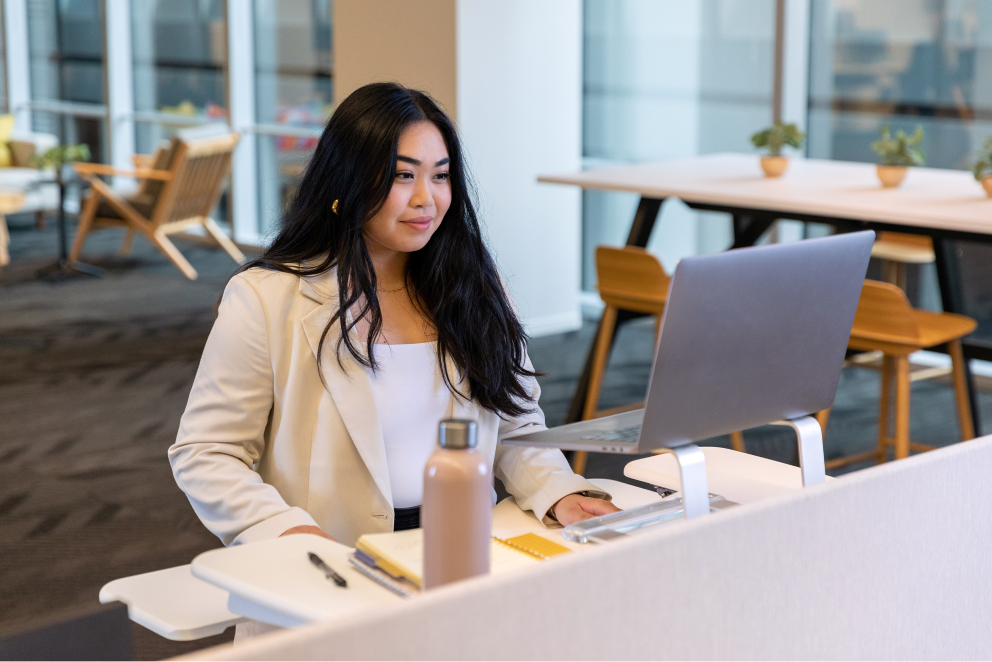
{"points": [[95, 372]]}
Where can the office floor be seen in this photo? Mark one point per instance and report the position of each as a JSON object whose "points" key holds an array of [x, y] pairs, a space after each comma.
{"points": [[94, 376]]}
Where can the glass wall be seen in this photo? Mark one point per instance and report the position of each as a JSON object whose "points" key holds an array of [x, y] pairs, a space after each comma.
{"points": [[180, 56], [903, 63], [665, 80], [906, 63], [294, 89], [66, 53]]}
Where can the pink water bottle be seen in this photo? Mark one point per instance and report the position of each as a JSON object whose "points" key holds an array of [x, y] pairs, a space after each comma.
{"points": [[458, 507]]}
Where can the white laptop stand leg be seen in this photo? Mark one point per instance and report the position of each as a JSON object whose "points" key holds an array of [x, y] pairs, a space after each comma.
{"points": [[810, 448], [692, 470]]}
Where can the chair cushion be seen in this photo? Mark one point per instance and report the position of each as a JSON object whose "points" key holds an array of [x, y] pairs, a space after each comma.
{"points": [[142, 203], [6, 128]]}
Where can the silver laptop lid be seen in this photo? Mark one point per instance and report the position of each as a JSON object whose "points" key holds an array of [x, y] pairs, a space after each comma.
{"points": [[752, 336]]}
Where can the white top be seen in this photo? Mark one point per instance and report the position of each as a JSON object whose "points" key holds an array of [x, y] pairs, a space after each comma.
{"points": [[412, 399], [929, 198]]}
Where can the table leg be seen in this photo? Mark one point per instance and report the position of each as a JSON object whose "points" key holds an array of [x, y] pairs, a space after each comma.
{"points": [[748, 229], [640, 233], [949, 277]]}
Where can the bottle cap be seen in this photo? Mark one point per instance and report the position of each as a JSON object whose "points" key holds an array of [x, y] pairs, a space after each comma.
{"points": [[457, 433]]}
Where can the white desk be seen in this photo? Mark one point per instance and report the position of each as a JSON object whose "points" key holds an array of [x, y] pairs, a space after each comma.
{"points": [[944, 204], [929, 199]]}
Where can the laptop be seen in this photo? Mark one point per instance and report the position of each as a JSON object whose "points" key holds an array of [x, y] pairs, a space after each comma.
{"points": [[748, 337]]}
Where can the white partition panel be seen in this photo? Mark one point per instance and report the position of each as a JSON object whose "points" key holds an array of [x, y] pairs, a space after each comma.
{"points": [[891, 562]]}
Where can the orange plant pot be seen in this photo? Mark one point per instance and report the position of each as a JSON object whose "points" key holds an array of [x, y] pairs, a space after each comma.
{"points": [[774, 166], [891, 176]]}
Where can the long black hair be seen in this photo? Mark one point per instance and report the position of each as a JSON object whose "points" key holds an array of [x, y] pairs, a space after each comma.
{"points": [[453, 278]]}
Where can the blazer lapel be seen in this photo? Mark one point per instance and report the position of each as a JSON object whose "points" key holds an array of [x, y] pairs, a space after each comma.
{"points": [[349, 384]]}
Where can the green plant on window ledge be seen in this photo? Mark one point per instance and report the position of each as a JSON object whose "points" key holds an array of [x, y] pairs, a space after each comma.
{"points": [[983, 167], [774, 138]]}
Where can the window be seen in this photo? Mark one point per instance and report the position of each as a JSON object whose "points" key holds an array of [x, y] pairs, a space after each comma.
{"points": [[293, 91], [668, 80], [180, 55], [903, 63], [66, 51]]}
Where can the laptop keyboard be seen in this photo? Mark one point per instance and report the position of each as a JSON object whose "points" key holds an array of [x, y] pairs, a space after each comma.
{"points": [[622, 435]]}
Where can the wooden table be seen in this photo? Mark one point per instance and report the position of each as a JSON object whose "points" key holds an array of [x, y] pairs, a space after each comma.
{"points": [[10, 202], [946, 205]]}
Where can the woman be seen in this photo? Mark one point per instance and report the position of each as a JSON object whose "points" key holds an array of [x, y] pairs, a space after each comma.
{"points": [[376, 312]]}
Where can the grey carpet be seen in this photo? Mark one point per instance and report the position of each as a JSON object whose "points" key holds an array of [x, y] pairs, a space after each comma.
{"points": [[94, 376]]}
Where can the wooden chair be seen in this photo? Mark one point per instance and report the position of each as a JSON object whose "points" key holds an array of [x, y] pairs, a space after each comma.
{"points": [[630, 279], [886, 322], [179, 186], [898, 249]]}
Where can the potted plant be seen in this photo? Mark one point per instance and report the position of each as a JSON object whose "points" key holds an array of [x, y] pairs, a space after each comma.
{"points": [[897, 154], [775, 137], [983, 167]]}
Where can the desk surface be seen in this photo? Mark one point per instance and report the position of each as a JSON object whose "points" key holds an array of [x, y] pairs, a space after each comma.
{"points": [[930, 198], [252, 580]]}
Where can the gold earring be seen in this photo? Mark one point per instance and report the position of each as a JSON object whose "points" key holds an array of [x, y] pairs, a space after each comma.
{"points": [[334, 206]]}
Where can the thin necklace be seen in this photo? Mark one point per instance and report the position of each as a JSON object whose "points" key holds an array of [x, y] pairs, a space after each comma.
{"points": [[381, 291]]}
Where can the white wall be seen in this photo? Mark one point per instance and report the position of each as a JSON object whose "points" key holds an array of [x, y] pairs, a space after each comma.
{"points": [[519, 110]]}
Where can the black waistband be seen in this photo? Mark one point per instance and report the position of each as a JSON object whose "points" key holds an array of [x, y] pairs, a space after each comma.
{"points": [[406, 518]]}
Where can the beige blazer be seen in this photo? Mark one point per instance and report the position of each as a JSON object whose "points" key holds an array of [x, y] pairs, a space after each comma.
{"points": [[265, 446]]}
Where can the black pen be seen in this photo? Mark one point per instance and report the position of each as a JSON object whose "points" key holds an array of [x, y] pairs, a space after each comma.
{"points": [[319, 562]]}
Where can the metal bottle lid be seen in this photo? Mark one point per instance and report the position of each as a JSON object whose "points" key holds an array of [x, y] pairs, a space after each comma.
{"points": [[457, 434]]}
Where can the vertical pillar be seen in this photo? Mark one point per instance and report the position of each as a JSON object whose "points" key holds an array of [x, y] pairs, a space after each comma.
{"points": [[241, 79], [120, 83], [15, 21], [795, 62]]}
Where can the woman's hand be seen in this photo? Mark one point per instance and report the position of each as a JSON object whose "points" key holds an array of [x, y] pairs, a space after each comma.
{"points": [[315, 530], [575, 508]]}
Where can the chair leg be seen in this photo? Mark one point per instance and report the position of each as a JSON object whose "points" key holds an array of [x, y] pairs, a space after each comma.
{"points": [[822, 417], [737, 441], [85, 223], [607, 327], [579, 462], [902, 407], [901, 278], [892, 272], [165, 245], [39, 220], [961, 390], [128, 240], [225, 242], [883, 407]]}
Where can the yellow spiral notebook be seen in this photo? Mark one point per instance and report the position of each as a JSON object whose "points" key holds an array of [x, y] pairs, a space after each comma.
{"points": [[401, 553]]}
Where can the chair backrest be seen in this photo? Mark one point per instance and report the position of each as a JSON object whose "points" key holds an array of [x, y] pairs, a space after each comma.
{"points": [[885, 314], [630, 275], [199, 168], [149, 189]]}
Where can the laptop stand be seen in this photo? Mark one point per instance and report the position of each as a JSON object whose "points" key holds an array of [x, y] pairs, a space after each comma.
{"points": [[696, 499], [692, 464]]}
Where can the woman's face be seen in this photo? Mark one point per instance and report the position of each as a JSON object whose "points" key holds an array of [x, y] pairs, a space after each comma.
{"points": [[420, 196]]}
